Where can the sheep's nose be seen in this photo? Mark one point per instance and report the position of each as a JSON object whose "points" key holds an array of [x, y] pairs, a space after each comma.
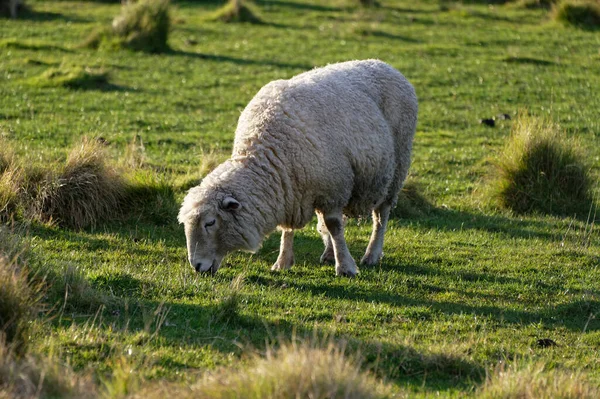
{"points": [[198, 266]]}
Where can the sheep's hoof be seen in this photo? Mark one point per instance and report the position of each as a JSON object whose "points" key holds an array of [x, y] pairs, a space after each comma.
{"points": [[371, 259], [346, 271], [328, 258], [281, 265]]}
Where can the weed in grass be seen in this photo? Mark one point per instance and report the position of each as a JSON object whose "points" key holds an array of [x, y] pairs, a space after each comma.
{"points": [[541, 170], [536, 381], [143, 26], [73, 77], [292, 370], [237, 11], [581, 13], [85, 191]]}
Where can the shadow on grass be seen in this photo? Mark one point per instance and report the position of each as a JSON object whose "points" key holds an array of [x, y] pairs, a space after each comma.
{"points": [[298, 6], [44, 16], [227, 328], [239, 61], [528, 60], [454, 220]]}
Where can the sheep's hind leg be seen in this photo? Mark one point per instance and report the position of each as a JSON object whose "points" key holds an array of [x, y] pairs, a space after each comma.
{"points": [[328, 256], [285, 260], [374, 251], [344, 263]]}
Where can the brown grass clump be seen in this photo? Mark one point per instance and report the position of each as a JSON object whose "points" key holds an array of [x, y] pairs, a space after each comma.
{"points": [[541, 170], [294, 370], [85, 191], [581, 13], [534, 382]]}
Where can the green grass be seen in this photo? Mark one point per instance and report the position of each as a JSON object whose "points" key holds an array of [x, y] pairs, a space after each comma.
{"points": [[463, 287]]}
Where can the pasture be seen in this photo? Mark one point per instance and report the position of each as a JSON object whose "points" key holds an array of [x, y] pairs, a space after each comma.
{"points": [[465, 290]]}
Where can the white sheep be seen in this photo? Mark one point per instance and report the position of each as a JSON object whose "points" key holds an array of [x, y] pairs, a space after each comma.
{"points": [[335, 140]]}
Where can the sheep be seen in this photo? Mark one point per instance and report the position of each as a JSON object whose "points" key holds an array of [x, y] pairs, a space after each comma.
{"points": [[335, 141]]}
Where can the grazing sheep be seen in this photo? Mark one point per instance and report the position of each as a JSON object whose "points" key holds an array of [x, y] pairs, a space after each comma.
{"points": [[336, 140]]}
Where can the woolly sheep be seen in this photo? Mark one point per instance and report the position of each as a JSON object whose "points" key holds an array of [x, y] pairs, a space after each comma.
{"points": [[335, 140]]}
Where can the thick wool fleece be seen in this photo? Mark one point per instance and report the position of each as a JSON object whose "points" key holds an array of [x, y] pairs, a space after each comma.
{"points": [[337, 138]]}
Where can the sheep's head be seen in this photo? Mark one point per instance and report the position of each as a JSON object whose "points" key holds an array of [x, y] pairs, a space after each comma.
{"points": [[215, 224]]}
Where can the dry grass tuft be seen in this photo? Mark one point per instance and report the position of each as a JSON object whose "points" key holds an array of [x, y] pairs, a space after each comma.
{"points": [[293, 370], [85, 191], [535, 382], [581, 13], [30, 377], [19, 297], [237, 11], [541, 170]]}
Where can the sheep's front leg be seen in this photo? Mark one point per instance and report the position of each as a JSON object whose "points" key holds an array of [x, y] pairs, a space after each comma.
{"points": [[344, 263], [374, 251], [285, 260]]}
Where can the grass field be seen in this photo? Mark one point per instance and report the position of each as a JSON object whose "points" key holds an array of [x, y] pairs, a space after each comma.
{"points": [[464, 288]]}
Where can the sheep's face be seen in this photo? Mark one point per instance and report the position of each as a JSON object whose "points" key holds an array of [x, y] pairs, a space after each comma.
{"points": [[212, 228]]}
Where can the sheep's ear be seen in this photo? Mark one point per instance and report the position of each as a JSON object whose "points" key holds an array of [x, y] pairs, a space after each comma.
{"points": [[230, 204]]}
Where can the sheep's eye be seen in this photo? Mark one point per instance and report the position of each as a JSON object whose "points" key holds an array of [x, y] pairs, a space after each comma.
{"points": [[211, 223]]}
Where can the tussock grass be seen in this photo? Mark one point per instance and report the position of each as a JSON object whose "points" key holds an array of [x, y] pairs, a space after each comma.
{"points": [[541, 170], [86, 189], [580, 13], [73, 77], [10, 178], [141, 26], [19, 297], [144, 26], [536, 382], [293, 370], [237, 11]]}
